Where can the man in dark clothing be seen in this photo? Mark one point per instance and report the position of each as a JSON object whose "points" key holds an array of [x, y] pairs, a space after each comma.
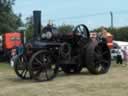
{"points": [[119, 59]]}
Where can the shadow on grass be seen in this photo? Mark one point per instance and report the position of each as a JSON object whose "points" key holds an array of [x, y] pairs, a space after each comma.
{"points": [[83, 73], [18, 80], [59, 75]]}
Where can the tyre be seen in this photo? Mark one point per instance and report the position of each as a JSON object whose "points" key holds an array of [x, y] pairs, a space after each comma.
{"points": [[21, 67], [41, 66], [98, 58]]}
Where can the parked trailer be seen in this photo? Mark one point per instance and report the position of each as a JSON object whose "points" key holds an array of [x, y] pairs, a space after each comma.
{"points": [[8, 41]]}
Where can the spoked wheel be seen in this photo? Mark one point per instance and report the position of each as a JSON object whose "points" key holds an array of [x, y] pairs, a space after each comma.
{"points": [[72, 69], [82, 30], [41, 66], [21, 67], [98, 59]]}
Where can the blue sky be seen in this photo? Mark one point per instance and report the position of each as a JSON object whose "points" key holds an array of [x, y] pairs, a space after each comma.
{"points": [[93, 13]]}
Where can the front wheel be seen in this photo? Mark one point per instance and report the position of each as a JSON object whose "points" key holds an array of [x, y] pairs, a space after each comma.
{"points": [[41, 66], [21, 67]]}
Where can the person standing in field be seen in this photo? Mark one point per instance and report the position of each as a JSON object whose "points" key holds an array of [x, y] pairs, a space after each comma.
{"points": [[126, 55], [103, 34], [119, 58]]}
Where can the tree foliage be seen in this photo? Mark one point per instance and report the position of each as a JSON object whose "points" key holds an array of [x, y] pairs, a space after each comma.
{"points": [[9, 21], [29, 26], [65, 28], [120, 34]]}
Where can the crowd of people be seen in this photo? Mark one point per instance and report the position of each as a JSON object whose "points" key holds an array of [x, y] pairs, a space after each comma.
{"points": [[122, 55]]}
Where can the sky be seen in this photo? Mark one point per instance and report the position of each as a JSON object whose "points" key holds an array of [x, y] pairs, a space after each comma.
{"points": [[93, 13]]}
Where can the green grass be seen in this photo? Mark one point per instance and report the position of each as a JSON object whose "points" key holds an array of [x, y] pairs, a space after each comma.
{"points": [[114, 83], [5, 66]]}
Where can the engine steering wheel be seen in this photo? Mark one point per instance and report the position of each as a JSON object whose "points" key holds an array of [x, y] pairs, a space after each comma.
{"points": [[82, 31]]}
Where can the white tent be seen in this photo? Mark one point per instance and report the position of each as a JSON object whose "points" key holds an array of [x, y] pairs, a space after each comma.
{"points": [[121, 44], [116, 45]]}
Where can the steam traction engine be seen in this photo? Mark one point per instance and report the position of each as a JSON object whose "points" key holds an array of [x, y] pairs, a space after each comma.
{"points": [[51, 50]]}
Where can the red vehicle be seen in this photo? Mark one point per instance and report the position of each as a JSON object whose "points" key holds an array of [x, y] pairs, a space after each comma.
{"points": [[9, 41], [12, 40]]}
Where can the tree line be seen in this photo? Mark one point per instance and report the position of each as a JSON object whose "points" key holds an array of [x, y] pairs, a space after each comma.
{"points": [[119, 34]]}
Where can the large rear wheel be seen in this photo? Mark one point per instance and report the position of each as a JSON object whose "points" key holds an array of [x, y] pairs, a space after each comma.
{"points": [[98, 58]]}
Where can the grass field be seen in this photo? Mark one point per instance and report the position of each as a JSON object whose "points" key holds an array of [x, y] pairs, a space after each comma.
{"points": [[114, 83]]}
